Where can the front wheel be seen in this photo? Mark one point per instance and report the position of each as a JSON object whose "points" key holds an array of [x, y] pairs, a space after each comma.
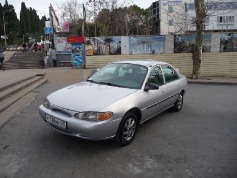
{"points": [[179, 103], [127, 129]]}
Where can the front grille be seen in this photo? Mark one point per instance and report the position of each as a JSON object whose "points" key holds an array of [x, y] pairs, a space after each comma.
{"points": [[62, 112]]}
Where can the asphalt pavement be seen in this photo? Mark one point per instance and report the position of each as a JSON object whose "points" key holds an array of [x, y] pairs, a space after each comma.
{"points": [[199, 141]]}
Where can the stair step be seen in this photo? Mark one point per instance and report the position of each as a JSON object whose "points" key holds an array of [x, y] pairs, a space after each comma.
{"points": [[20, 60], [7, 85], [14, 89], [15, 107], [13, 98]]}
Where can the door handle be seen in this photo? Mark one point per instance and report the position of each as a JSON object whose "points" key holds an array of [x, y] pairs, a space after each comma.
{"points": [[163, 91]]}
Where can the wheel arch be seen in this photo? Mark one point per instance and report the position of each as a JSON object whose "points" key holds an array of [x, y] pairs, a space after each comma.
{"points": [[137, 112]]}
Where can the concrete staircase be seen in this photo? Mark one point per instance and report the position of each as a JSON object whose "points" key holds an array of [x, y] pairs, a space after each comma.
{"points": [[14, 90], [20, 60]]}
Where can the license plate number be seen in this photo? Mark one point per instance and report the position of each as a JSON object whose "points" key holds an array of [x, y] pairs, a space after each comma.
{"points": [[58, 122]]}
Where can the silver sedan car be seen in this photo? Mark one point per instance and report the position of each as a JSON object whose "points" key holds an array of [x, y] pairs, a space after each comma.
{"points": [[115, 100]]}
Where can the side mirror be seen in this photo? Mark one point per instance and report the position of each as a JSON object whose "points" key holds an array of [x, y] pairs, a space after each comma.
{"points": [[151, 86]]}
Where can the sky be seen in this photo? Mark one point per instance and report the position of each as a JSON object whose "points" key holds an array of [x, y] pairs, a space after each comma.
{"points": [[42, 6]]}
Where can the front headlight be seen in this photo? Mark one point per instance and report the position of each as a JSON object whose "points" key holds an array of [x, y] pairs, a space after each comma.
{"points": [[46, 103], [94, 116]]}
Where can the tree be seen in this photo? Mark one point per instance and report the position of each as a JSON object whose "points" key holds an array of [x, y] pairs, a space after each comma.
{"points": [[71, 11], [108, 41], [197, 47], [10, 23]]}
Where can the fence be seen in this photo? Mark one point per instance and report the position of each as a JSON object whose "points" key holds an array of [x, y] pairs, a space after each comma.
{"points": [[213, 64]]}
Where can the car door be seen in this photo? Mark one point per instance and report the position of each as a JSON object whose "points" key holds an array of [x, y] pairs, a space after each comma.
{"points": [[155, 100], [172, 82]]}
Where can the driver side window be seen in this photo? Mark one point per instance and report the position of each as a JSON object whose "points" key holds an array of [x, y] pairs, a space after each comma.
{"points": [[156, 76], [169, 73]]}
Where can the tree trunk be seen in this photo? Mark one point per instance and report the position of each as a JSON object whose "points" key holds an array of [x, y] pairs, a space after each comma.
{"points": [[197, 47]]}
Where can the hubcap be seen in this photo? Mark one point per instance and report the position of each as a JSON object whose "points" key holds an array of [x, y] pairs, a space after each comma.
{"points": [[179, 101], [129, 129]]}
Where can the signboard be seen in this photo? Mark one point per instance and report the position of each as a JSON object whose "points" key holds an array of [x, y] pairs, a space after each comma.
{"points": [[75, 39], [47, 24], [174, 2], [48, 30]]}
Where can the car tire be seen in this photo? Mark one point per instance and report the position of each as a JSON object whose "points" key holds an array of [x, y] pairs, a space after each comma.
{"points": [[178, 103], [127, 129]]}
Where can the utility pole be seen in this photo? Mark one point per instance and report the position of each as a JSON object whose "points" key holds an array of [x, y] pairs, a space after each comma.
{"points": [[83, 35], [4, 27], [95, 15]]}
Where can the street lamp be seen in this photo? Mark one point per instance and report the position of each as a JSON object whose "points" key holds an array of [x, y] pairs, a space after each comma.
{"points": [[4, 27]]}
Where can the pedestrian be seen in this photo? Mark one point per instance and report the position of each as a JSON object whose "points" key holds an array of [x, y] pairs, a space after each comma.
{"points": [[46, 48], [30, 46], [54, 58], [42, 48], [24, 47], [35, 47]]}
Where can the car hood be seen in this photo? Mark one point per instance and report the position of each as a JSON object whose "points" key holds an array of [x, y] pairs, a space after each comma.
{"points": [[86, 96]]}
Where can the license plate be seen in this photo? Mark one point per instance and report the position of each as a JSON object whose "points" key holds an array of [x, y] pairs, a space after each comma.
{"points": [[58, 122]]}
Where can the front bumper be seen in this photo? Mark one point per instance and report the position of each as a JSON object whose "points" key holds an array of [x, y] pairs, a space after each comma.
{"points": [[80, 128]]}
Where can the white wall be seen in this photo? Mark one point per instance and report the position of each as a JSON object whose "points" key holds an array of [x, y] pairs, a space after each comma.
{"points": [[213, 25], [178, 16], [124, 45]]}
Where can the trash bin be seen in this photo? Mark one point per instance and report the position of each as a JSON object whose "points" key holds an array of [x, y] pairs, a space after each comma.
{"points": [[55, 63]]}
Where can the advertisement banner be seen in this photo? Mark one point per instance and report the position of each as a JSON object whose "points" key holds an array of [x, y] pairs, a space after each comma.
{"points": [[65, 27], [109, 45], [228, 42], [77, 55], [89, 50], [183, 43], [147, 45], [62, 46]]}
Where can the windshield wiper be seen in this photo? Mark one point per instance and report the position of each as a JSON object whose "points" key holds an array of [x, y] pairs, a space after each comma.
{"points": [[110, 84], [92, 81]]}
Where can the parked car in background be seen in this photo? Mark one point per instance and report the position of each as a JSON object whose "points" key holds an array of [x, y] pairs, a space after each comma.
{"points": [[12, 47], [115, 100], [20, 47]]}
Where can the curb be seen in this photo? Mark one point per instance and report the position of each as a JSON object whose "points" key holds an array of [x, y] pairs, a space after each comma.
{"points": [[210, 82]]}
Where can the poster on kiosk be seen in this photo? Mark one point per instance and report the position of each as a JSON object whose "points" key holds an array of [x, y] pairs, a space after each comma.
{"points": [[77, 56]]}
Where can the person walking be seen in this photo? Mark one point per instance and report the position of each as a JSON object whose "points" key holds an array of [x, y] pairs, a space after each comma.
{"points": [[24, 47], [30, 46], [53, 53], [35, 47], [46, 48]]}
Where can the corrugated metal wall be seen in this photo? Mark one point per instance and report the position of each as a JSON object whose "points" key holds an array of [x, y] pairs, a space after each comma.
{"points": [[213, 64]]}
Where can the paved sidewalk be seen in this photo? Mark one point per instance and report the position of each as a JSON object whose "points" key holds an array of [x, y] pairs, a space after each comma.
{"points": [[67, 74]]}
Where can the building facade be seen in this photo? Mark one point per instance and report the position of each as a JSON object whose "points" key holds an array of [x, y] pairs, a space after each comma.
{"points": [[178, 16]]}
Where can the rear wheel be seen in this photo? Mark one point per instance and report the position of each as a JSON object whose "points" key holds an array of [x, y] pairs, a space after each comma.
{"points": [[179, 103], [127, 129]]}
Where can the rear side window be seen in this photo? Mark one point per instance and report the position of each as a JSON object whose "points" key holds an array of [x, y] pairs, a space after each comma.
{"points": [[169, 73]]}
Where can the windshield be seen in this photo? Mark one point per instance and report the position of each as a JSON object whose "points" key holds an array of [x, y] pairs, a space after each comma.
{"points": [[121, 75]]}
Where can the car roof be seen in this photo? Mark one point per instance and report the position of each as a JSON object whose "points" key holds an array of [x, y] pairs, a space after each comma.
{"points": [[143, 62]]}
